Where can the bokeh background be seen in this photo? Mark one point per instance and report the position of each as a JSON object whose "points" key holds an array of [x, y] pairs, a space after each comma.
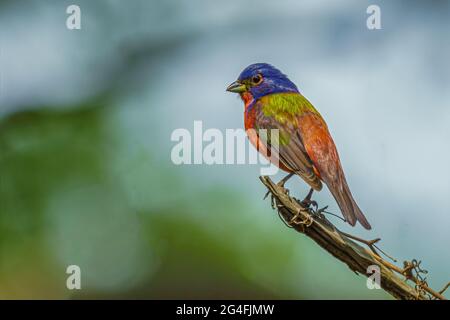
{"points": [[85, 124]]}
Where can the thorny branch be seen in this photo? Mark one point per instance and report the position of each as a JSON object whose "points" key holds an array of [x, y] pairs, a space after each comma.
{"points": [[406, 283]]}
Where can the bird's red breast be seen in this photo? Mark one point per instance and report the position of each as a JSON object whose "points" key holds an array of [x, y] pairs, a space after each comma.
{"points": [[249, 116], [249, 123]]}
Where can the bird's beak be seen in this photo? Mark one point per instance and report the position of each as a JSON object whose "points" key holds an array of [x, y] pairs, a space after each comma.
{"points": [[236, 87]]}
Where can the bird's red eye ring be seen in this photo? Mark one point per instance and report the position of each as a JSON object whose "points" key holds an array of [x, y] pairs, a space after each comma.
{"points": [[257, 79]]}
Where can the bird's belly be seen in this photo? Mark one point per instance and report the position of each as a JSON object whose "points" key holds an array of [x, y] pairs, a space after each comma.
{"points": [[254, 120]]}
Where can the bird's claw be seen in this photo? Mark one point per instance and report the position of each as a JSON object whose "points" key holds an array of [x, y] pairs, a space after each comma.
{"points": [[307, 203], [321, 210]]}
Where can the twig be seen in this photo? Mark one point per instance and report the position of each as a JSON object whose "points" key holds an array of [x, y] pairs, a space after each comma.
{"points": [[445, 288], [344, 248]]}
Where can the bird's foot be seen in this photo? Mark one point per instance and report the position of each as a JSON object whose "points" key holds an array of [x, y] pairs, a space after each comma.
{"points": [[297, 219], [309, 204], [320, 212]]}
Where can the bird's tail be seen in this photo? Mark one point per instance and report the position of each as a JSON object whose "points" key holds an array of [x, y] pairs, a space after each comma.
{"points": [[349, 208]]}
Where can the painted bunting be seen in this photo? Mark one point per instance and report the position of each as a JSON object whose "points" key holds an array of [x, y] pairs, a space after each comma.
{"points": [[304, 146]]}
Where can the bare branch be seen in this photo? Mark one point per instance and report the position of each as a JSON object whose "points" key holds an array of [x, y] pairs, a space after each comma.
{"points": [[343, 247]]}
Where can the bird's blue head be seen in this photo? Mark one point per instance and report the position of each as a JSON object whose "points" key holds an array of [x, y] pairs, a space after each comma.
{"points": [[261, 79]]}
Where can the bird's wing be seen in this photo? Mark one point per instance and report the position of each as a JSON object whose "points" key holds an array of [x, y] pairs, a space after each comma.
{"points": [[320, 147], [287, 145]]}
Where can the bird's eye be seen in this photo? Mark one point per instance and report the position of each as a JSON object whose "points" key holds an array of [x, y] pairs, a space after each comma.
{"points": [[257, 79]]}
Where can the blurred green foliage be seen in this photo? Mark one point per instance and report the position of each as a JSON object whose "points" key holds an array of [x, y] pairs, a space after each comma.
{"points": [[143, 232]]}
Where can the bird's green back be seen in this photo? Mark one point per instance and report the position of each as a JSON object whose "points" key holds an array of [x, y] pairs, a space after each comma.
{"points": [[286, 106], [284, 111]]}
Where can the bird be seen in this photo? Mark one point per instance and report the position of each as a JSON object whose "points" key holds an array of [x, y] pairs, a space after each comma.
{"points": [[304, 147]]}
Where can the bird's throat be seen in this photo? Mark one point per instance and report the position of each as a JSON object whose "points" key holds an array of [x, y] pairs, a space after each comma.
{"points": [[247, 97]]}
